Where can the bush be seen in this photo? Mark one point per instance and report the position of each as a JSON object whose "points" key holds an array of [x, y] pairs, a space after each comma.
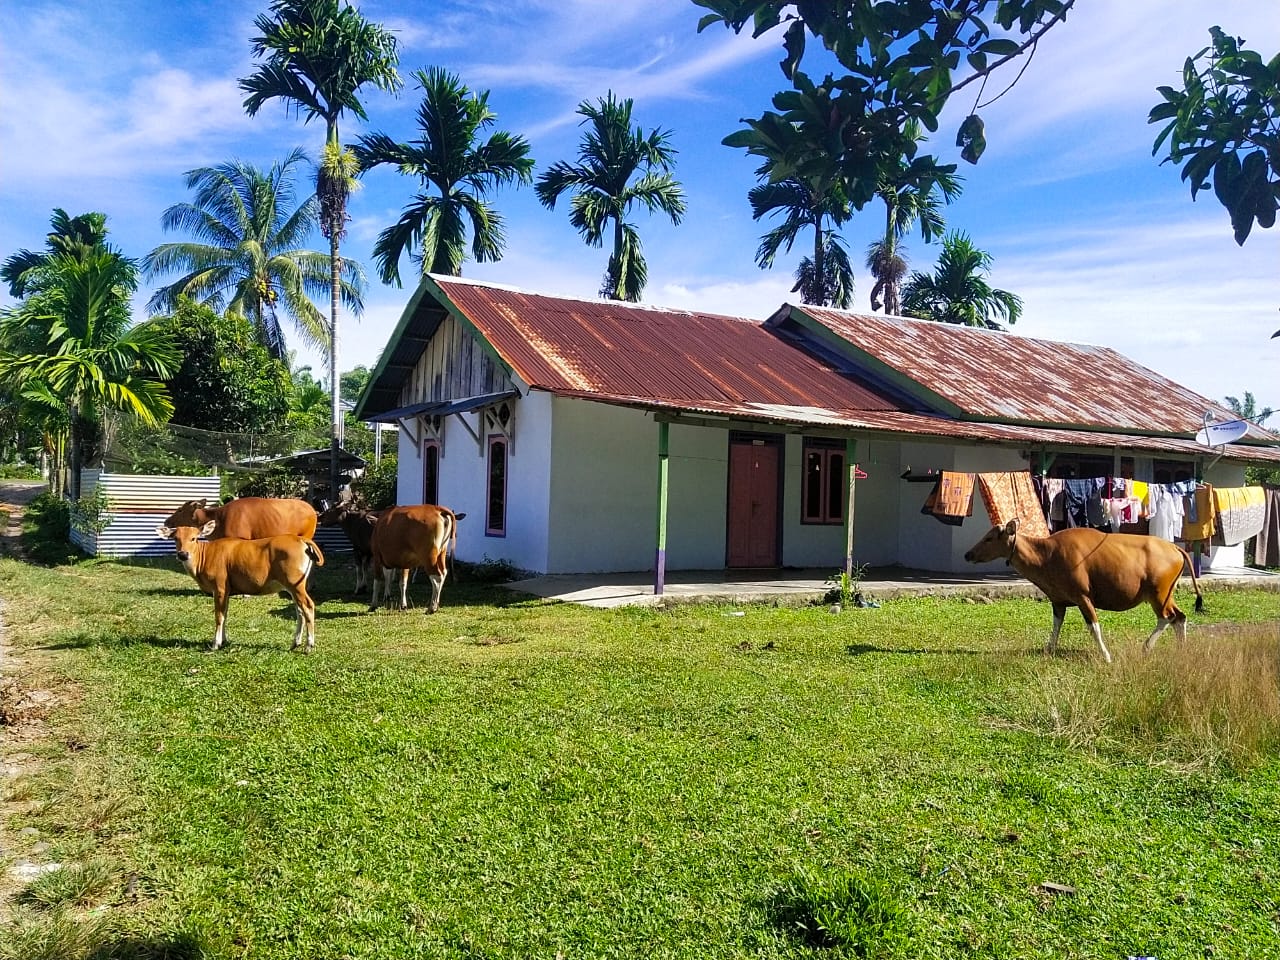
{"points": [[377, 488], [46, 530], [20, 471], [276, 482]]}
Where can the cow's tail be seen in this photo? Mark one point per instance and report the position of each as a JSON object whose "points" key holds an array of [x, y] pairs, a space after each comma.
{"points": [[451, 541], [313, 550], [1191, 568]]}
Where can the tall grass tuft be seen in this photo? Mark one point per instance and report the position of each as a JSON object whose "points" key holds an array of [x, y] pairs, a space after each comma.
{"points": [[1212, 700], [855, 911]]}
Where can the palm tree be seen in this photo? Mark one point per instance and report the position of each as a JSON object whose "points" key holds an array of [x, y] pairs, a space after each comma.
{"points": [[610, 154], [910, 191], [448, 156], [815, 203], [247, 256], [957, 291], [78, 352], [1248, 410], [73, 235], [318, 54]]}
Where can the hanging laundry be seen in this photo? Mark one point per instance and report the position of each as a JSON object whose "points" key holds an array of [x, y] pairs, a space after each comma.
{"points": [[1011, 495], [1165, 510], [1052, 492], [1241, 512], [1138, 490], [1083, 502], [1266, 551], [1199, 514], [951, 499], [1121, 510]]}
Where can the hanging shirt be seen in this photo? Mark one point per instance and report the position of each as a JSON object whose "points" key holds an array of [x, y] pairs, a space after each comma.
{"points": [[1164, 508]]}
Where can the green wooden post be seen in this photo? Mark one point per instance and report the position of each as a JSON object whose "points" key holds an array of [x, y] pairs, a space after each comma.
{"points": [[850, 455], [660, 561]]}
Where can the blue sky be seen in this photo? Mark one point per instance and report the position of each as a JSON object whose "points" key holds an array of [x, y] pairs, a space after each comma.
{"points": [[104, 106]]}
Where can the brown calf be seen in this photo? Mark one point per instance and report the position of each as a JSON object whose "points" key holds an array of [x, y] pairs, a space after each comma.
{"points": [[249, 518], [231, 566], [413, 536], [1095, 571], [357, 524]]}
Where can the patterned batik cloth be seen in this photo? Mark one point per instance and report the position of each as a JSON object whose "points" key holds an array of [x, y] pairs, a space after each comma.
{"points": [[1010, 495], [1241, 513], [951, 499]]}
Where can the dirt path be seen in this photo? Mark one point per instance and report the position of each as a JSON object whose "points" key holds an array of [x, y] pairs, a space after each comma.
{"points": [[21, 709]]}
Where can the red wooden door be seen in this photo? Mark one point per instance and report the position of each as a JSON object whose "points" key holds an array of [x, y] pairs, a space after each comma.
{"points": [[753, 504]]}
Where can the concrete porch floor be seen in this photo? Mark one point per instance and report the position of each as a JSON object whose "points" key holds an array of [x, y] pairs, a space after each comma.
{"points": [[606, 590]]}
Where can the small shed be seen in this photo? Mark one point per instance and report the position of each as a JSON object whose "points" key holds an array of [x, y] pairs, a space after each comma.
{"points": [[136, 505]]}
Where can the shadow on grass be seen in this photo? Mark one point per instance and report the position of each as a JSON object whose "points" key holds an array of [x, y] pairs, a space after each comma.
{"points": [[859, 649], [180, 947], [85, 641]]}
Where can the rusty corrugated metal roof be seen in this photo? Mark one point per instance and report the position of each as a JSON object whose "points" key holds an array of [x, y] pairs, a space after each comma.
{"points": [[621, 349], [893, 423], [786, 372], [994, 375]]}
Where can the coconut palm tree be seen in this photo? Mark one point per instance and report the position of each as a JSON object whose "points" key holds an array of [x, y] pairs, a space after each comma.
{"points": [[316, 56], [610, 155], [247, 256], [957, 291], [76, 348], [1248, 409], [449, 157]]}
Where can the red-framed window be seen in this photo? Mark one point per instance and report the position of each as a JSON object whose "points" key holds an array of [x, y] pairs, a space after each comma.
{"points": [[495, 522], [822, 482], [431, 471]]}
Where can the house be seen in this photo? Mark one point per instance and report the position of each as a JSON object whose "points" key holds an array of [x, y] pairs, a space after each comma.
{"points": [[592, 436]]}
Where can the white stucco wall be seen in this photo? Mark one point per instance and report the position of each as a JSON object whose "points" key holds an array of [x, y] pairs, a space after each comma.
{"points": [[604, 490], [463, 484]]}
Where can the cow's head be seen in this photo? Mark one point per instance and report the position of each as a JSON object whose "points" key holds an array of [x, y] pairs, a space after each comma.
{"points": [[183, 537], [334, 515], [193, 513], [998, 544]]}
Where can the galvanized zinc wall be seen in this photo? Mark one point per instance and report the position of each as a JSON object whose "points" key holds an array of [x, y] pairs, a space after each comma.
{"points": [[136, 505]]}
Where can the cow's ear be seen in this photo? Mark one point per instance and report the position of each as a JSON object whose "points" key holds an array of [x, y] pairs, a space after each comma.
{"points": [[208, 528], [163, 532], [1011, 527], [201, 504]]}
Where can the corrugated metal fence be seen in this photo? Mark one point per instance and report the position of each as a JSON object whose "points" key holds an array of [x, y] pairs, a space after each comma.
{"points": [[137, 504]]}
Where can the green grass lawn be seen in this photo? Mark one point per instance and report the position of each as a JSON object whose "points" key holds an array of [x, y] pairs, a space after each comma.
{"points": [[514, 778]]}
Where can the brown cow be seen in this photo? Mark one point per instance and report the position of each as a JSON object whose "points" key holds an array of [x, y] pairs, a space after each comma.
{"points": [[249, 518], [232, 566], [1095, 571], [413, 536], [357, 524]]}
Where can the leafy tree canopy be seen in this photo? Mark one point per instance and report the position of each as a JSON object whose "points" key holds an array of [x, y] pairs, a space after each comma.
{"points": [[905, 59], [227, 380], [1223, 127]]}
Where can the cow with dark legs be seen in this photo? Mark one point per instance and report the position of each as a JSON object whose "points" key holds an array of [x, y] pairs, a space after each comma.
{"points": [[248, 518], [358, 525], [231, 566], [408, 537], [1095, 571]]}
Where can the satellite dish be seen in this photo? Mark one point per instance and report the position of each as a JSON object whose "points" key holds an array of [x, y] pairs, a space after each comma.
{"points": [[1220, 434]]}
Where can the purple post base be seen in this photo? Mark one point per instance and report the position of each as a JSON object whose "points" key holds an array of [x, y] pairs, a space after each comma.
{"points": [[660, 573]]}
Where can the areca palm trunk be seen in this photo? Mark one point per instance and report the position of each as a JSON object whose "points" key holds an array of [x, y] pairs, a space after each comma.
{"points": [[335, 239], [818, 280]]}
